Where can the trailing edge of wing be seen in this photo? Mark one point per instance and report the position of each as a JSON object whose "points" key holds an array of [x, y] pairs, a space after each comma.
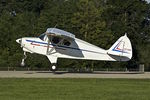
{"points": [[59, 32]]}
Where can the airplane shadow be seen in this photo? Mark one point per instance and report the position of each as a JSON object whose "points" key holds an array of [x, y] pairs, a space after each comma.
{"points": [[52, 72], [95, 72]]}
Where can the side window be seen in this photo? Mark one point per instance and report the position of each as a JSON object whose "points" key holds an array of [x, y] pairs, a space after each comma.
{"points": [[56, 40], [66, 42]]}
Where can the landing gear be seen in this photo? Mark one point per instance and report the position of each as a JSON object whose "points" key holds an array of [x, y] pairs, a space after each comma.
{"points": [[23, 60], [53, 61], [53, 67]]}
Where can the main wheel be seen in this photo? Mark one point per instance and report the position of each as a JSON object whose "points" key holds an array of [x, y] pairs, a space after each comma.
{"points": [[53, 67]]}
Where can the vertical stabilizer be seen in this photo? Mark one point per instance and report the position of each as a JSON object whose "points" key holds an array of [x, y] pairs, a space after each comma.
{"points": [[122, 47]]}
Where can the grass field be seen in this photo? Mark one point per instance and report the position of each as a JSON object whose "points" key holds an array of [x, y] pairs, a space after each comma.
{"points": [[74, 89]]}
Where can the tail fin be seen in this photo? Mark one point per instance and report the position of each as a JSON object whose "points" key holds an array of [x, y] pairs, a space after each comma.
{"points": [[122, 48]]}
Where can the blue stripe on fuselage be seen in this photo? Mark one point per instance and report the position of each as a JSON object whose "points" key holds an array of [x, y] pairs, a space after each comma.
{"points": [[63, 46]]}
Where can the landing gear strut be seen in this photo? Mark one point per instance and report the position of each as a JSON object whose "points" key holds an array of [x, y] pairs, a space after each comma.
{"points": [[53, 67], [23, 60]]}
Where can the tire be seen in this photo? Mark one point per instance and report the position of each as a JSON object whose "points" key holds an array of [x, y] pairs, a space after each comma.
{"points": [[53, 67]]}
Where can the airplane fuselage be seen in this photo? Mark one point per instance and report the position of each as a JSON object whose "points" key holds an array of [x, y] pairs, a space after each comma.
{"points": [[78, 49], [56, 43]]}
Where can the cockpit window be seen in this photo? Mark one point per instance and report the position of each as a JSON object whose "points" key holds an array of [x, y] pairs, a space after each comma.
{"points": [[42, 36], [66, 42], [56, 40], [60, 41]]}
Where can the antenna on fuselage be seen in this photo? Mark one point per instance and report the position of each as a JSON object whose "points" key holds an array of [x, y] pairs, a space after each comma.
{"points": [[55, 26]]}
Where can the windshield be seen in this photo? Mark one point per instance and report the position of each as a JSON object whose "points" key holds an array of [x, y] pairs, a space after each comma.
{"points": [[42, 36]]}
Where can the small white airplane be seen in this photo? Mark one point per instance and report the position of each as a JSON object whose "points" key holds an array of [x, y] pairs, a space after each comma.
{"points": [[56, 43]]}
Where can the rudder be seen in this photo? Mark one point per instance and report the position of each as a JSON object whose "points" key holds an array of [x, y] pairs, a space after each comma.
{"points": [[122, 48]]}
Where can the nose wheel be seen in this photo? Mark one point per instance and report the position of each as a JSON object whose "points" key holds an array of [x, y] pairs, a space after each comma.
{"points": [[23, 60]]}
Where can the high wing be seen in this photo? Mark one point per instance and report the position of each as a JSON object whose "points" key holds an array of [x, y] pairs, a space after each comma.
{"points": [[59, 32], [51, 32]]}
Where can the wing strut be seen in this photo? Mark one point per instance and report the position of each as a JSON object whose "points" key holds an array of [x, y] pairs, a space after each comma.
{"points": [[48, 46]]}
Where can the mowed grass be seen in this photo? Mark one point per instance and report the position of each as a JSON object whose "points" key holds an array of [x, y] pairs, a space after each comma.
{"points": [[74, 89]]}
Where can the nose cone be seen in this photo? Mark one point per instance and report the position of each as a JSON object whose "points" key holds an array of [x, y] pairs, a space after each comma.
{"points": [[19, 41]]}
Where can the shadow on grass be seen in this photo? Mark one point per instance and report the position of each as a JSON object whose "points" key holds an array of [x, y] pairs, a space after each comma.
{"points": [[94, 72]]}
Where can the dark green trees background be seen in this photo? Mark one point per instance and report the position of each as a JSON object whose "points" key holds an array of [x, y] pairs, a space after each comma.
{"points": [[100, 22]]}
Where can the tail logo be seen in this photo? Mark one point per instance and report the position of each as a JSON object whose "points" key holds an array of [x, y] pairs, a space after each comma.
{"points": [[117, 48]]}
